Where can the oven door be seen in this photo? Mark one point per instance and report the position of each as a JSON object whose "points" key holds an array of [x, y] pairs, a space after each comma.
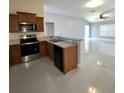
{"points": [[29, 49]]}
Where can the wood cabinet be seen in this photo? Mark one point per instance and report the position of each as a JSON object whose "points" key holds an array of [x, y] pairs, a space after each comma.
{"points": [[13, 23], [43, 48], [70, 58], [65, 58], [26, 17], [40, 24], [14, 54], [50, 51], [21, 17], [47, 49]]}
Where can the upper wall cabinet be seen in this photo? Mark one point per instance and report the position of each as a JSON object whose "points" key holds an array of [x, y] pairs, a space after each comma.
{"points": [[40, 24], [13, 23], [26, 17]]}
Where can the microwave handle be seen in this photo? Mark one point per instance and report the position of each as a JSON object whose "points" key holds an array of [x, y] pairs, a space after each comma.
{"points": [[33, 26], [17, 27]]}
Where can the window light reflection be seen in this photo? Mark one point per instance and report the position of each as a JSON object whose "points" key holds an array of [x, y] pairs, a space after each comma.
{"points": [[92, 90]]}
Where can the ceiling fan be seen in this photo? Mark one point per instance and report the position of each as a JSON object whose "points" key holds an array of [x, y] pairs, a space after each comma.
{"points": [[103, 15]]}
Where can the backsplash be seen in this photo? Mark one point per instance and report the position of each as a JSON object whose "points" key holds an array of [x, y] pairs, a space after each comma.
{"points": [[18, 35]]}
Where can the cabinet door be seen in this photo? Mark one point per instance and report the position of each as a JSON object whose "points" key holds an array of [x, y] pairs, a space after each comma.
{"points": [[43, 48], [70, 58], [22, 17], [14, 54], [13, 23], [50, 51], [26, 17], [31, 18], [40, 24]]}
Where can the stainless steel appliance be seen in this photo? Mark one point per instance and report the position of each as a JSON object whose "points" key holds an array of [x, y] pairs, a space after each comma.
{"points": [[27, 27], [29, 48]]}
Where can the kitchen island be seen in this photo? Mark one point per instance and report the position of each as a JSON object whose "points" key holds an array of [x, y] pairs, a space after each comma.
{"points": [[65, 55]]}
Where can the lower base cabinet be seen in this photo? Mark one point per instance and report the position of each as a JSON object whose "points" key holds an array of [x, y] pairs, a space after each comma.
{"points": [[65, 58], [70, 58], [46, 49], [14, 54], [43, 48], [50, 51]]}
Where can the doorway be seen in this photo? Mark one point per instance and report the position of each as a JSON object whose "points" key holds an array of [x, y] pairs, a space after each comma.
{"points": [[87, 31], [87, 36]]}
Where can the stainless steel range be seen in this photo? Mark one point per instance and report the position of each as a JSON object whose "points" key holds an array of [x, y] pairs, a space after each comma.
{"points": [[29, 48]]}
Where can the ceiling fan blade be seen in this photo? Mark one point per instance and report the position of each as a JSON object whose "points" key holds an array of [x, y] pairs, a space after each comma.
{"points": [[106, 17]]}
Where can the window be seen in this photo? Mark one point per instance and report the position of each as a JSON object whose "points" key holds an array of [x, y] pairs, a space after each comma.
{"points": [[107, 30]]}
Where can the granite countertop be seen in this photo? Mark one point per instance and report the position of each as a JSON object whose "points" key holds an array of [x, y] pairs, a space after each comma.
{"points": [[14, 41], [62, 44]]}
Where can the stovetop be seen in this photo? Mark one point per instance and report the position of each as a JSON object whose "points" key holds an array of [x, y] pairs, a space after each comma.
{"points": [[28, 40]]}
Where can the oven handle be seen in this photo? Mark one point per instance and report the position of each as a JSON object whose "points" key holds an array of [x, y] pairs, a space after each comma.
{"points": [[29, 43]]}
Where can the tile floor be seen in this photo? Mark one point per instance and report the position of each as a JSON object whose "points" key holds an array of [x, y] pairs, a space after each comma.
{"points": [[95, 74]]}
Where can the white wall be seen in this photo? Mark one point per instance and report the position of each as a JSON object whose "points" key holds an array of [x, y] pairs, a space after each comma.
{"points": [[31, 6], [67, 26]]}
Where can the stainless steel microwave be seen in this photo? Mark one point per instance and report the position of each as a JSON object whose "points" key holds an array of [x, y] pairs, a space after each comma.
{"points": [[27, 27]]}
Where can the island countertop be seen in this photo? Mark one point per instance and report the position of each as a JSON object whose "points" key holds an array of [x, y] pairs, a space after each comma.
{"points": [[63, 44]]}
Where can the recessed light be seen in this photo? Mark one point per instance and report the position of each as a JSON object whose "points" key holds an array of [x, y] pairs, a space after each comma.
{"points": [[94, 3]]}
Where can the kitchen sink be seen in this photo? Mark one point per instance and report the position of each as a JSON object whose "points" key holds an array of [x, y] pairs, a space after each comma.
{"points": [[55, 40]]}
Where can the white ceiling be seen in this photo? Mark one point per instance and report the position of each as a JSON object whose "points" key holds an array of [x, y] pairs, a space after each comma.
{"points": [[77, 8]]}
